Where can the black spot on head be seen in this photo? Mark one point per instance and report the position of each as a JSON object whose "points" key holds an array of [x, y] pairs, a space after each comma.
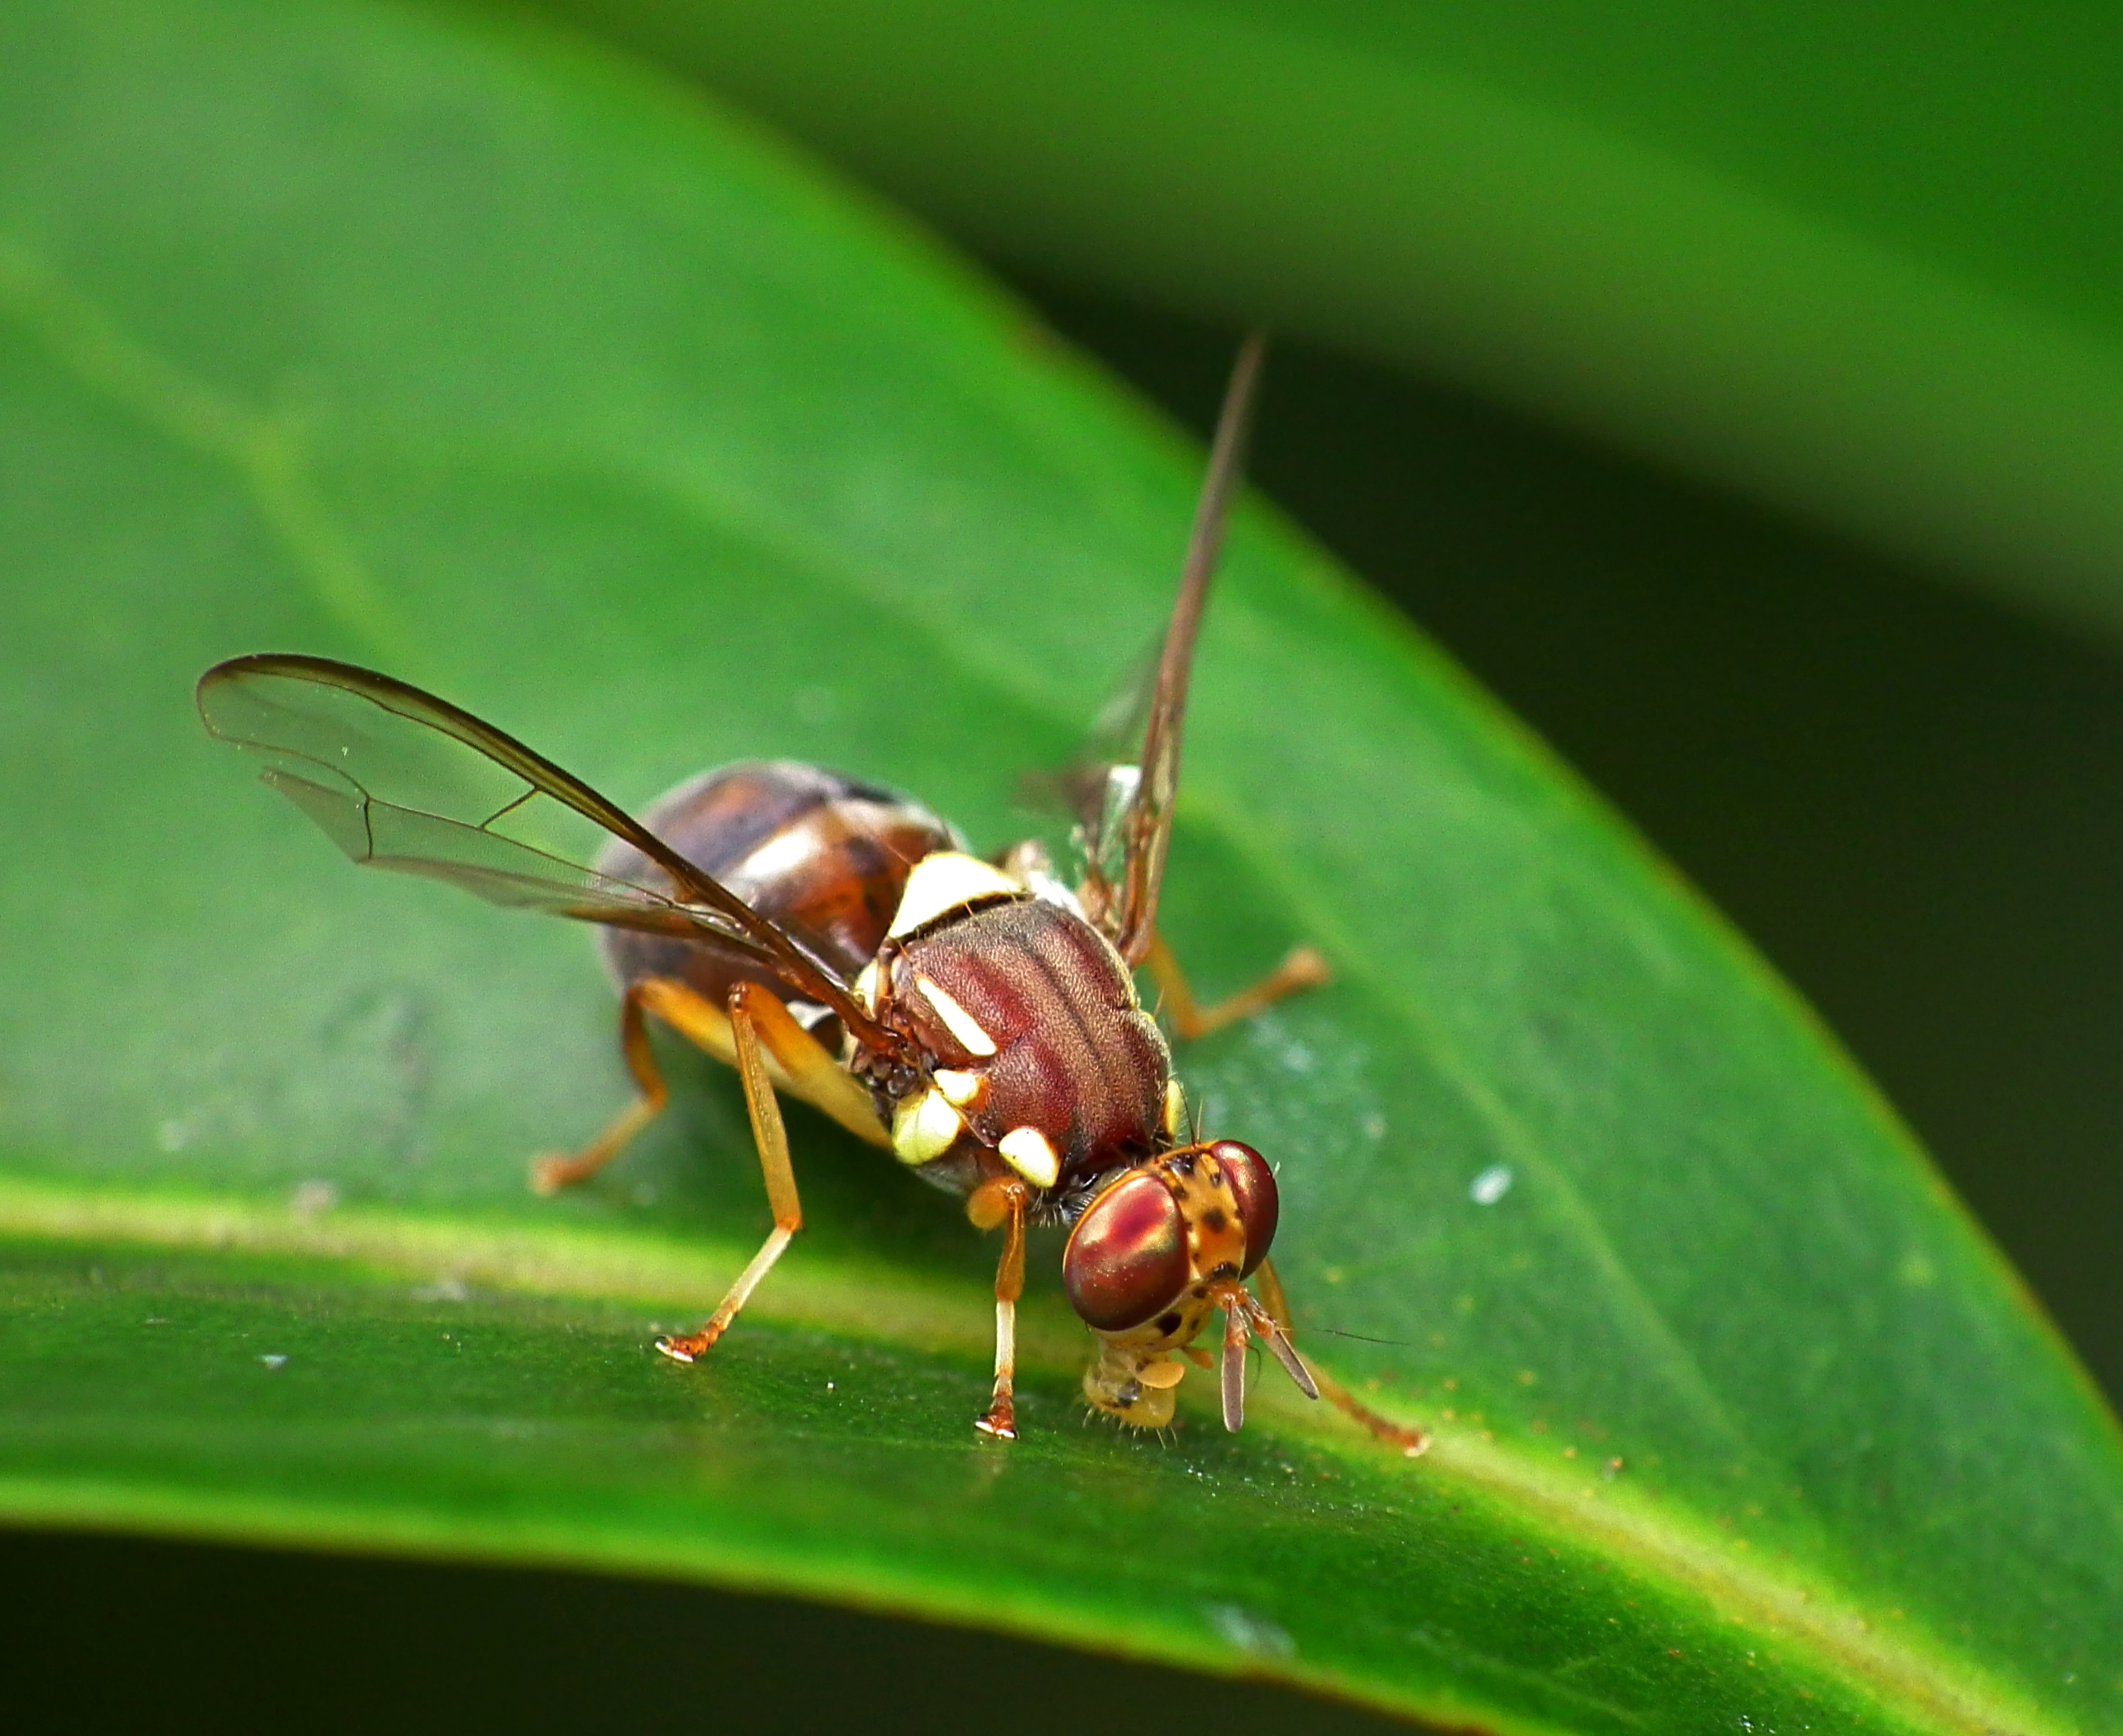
{"points": [[1213, 1220], [1168, 1324]]}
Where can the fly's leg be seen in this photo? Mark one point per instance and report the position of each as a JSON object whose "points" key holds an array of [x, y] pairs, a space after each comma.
{"points": [[1412, 1441], [756, 1014], [549, 1173], [1304, 968], [796, 1062], [1004, 1203]]}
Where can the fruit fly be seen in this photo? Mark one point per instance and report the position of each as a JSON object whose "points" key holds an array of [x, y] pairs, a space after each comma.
{"points": [[838, 942]]}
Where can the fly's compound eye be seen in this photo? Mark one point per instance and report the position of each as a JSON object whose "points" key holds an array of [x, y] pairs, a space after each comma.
{"points": [[1253, 1185], [1126, 1259]]}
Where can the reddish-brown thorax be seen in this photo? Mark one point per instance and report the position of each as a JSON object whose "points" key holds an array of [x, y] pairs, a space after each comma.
{"points": [[1069, 1050]]}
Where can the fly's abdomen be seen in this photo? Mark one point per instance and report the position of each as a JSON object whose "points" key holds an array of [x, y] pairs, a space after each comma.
{"points": [[825, 857]]}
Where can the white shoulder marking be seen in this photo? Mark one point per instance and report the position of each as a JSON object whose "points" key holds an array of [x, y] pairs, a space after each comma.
{"points": [[1025, 1149], [923, 1127], [961, 1023], [960, 1089], [785, 851], [941, 881]]}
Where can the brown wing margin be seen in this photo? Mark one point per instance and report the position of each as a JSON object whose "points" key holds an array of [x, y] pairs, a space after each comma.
{"points": [[1149, 822], [402, 780]]}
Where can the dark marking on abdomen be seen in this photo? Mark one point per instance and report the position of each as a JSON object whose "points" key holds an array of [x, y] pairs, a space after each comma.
{"points": [[823, 855]]}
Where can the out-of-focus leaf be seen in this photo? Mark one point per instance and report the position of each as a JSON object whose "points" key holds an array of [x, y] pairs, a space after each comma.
{"points": [[1858, 262]]}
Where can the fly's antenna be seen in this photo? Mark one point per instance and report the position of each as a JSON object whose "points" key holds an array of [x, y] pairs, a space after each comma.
{"points": [[1399, 1344]]}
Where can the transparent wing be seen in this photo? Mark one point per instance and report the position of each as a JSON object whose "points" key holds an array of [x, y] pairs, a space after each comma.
{"points": [[1094, 791], [401, 780], [1124, 803]]}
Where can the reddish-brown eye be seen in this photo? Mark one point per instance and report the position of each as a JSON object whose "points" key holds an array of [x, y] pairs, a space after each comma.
{"points": [[1252, 1183], [1126, 1259]]}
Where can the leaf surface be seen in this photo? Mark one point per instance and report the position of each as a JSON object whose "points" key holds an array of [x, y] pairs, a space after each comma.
{"points": [[472, 355]]}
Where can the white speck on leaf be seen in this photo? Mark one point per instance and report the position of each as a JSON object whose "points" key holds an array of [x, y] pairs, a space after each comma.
{"points": [[273, 1362], [1256, 1636], [1490, 1185]]}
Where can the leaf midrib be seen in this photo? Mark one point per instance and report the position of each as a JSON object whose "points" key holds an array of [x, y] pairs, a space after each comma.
{"points": [[265, 452]]}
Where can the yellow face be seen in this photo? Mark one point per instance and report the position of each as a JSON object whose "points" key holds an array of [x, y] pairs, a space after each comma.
{"points": [[1135, 1378]]}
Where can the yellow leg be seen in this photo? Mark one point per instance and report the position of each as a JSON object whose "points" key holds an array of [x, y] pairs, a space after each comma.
{"points": [[551, 1172], [796, 1062], [1004, 1203], [754, 1013], [1303, 969], [1412, 1441]]}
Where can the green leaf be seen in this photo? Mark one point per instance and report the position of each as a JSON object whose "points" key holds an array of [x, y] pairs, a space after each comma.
{"points": [[1858, 262], [471, 353]]}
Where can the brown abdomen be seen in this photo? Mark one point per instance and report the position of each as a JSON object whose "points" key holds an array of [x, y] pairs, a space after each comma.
{"points": [[824, 856]]}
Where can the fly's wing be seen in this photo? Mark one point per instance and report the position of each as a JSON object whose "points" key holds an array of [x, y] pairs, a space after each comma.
{"points": [[400, 779], [1135, 802], [1095, 791]]}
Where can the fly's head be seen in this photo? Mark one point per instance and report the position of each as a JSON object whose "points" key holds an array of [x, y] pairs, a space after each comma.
{"points": [[1158, 1251]]}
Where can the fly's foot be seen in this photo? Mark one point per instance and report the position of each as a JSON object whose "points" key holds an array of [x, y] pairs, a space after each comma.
{"points": [[1411, 1443], [1304, 968], [692, 1346], [1000, 1419], [552, 1171]]}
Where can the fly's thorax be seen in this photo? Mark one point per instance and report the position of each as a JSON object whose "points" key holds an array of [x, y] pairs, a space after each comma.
{"points": [[825, 856], [1037, 1058]]}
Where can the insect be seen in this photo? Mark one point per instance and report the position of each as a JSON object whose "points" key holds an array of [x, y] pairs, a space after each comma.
{"points": [[836, 942]]}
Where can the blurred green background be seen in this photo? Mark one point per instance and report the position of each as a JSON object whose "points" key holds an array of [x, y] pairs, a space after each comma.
{"points": [[1881, 728]]}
